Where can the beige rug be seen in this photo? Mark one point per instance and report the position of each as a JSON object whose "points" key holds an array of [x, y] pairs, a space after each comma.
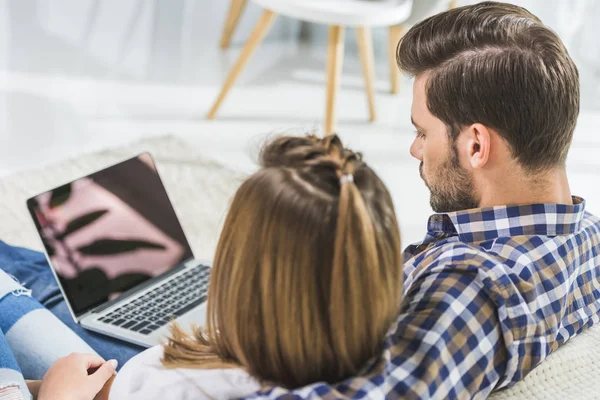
{"points": [[200, 190]]}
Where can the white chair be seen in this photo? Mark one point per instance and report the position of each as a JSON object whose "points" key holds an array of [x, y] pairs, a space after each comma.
{"points": [[337, 14]]}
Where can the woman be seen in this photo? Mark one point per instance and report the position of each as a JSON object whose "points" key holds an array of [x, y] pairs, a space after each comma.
{"points": [[306, 280]]}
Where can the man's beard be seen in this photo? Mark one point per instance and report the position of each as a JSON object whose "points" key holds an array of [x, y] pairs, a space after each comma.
{"points": [[452, 189]]}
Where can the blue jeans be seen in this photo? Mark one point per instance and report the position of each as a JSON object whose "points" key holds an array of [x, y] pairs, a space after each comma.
{"points": [[31, 338], [31, 269], [11, 379]]}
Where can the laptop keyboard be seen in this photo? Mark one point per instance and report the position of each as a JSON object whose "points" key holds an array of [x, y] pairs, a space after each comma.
{"points": [[162, 304]]}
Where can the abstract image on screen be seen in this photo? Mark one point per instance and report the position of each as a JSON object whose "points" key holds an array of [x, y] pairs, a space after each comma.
{"points": [[109, 232]]}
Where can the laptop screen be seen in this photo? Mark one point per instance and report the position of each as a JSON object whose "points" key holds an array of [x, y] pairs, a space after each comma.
{"points": [[109, 232]]}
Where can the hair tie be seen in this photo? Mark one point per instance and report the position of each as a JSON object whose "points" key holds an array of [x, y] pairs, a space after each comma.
{"points": [[347, 178]]}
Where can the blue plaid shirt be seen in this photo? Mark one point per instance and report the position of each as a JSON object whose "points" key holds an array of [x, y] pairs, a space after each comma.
{"points": [[489, 294]]}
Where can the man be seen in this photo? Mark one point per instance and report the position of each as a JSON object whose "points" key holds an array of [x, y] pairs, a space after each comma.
{"points": [[507, 271]]}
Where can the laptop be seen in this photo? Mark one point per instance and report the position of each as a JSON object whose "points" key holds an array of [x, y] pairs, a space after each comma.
{"points": [[119, 253]]}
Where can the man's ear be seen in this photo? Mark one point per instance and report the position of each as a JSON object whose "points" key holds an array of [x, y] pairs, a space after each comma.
{"points": [[479, 145]]}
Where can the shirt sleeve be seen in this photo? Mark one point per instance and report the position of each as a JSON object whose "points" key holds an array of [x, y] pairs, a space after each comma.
{"points": [[446, 343], [144, 378]]}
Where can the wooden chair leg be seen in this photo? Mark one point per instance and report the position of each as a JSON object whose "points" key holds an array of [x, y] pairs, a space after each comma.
{"points": [[365, 50], [396, 32], [256, 37], [335, 59], [235, 11]]}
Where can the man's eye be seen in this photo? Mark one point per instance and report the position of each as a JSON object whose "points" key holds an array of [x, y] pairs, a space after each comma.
{"points": [[420, 135]]}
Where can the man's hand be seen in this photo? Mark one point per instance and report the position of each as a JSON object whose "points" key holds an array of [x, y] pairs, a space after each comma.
{"points": [[71, 377]]}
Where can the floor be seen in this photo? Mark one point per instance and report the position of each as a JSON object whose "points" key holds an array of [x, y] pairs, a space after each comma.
{"points": [[49, 117]]}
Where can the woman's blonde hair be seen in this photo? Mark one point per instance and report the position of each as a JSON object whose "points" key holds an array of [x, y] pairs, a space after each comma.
{"points": [[307, 275]]}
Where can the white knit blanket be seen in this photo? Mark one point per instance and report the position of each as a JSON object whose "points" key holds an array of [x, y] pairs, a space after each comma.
{"points": [[201, 189]]}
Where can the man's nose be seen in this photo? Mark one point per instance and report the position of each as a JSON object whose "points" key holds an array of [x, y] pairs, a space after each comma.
{"points": [[416, 149]]}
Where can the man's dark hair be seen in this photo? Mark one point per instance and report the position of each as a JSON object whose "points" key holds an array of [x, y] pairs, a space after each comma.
{"points": [[498, 65]]}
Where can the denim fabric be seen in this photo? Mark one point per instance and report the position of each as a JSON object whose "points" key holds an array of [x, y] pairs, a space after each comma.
{"points": [[31, 269], [35, 336], [11, 379]]}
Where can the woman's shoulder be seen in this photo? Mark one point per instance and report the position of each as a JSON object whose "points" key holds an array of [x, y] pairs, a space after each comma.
{"points": [[144, 377]]}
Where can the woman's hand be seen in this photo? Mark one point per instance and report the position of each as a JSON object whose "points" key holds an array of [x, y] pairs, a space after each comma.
{"points": [[76, 377]]}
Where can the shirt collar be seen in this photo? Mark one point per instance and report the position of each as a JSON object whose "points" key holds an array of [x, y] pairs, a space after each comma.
{"points": [[489, 223]]}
